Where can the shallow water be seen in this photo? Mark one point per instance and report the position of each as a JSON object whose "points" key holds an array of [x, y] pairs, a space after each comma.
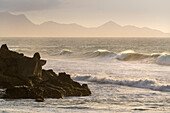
{"points": [[137, 85]]}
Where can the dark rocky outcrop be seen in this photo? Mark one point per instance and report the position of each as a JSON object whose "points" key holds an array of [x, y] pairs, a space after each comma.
{"points": [[23, 77]]}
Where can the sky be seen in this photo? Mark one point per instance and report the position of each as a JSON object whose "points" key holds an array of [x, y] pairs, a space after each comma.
{"points": [[92, 13]]}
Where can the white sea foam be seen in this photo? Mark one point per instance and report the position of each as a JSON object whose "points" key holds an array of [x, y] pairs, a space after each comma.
{"points": [[99, 53], [102, 51], [145, 83], [164, 59], [65, 52]]}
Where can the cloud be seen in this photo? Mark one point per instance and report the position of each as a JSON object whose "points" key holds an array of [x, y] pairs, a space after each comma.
{"points": [[27, 5]]}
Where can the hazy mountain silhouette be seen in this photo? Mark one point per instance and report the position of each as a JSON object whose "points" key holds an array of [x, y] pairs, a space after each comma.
{"points": [[19, 26]]}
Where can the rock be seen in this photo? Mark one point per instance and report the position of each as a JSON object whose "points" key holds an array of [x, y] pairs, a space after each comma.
{"points": [[16, 65], [7, 81], [23, 77], [23, 92], [39, 99], [36, 56], [87, 91], [51, 92], [47, 74], [17, 93], [4, 46]]}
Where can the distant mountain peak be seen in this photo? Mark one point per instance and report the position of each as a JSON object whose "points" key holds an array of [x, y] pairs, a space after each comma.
{"points": [[110, 24], [12, 25]]}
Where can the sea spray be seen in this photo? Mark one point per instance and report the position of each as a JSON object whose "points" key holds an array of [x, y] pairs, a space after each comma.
{"points": [[145, 83], [163, 59]]}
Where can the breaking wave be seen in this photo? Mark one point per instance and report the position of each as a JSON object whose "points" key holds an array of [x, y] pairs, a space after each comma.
{"points": [[127, 55], [65, 52], [156, 54], [99, 53], [164, 59], [147, 84], [130, 55]]}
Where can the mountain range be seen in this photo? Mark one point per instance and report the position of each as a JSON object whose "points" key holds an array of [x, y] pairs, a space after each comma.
{"points": [[20, 26]]}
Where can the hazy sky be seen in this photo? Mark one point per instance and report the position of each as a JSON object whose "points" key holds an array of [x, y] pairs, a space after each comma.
{"points": [[150, 13]]}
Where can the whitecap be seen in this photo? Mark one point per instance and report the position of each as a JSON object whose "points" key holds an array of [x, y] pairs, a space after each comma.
{"points": [[164, 59], [141, 83], [130, 55], [66, 52]]}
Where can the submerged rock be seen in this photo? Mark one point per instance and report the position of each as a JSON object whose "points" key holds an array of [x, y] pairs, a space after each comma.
{"points": [[39, 99], [23, 77]]}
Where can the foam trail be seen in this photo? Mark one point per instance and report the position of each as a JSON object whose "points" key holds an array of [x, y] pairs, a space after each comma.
{"points": [[148, 84]]}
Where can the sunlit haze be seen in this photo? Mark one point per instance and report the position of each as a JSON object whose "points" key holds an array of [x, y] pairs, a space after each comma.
{"points": [[90, 13]]}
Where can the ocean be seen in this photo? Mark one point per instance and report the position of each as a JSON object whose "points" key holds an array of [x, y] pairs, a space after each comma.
{"points": [[124, 74]]}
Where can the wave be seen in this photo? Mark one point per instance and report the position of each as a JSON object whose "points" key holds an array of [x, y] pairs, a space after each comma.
{"points": [[130, 55], [99, 53], [158, 58], [156, 54], [164, 59], [147, 84], [65, 52]]}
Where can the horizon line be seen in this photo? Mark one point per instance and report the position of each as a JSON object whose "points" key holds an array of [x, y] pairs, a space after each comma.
{"points": [[82, 37]]}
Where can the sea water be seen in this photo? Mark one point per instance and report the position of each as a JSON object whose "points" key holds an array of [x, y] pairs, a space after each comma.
{"points": [[124, 75]]}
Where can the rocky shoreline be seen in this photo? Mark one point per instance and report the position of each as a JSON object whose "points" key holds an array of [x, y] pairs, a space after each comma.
{"points": [[23, 78]]}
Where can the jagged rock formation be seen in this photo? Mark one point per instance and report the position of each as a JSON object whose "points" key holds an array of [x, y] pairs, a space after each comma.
{"points": [[23, 77]]}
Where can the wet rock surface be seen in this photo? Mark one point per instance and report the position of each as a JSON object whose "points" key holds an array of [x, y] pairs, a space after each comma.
{"points": [[24, 78]]}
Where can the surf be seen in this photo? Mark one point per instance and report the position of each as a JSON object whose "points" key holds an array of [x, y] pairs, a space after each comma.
{"points": [[163, 59], [141, 83]]}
